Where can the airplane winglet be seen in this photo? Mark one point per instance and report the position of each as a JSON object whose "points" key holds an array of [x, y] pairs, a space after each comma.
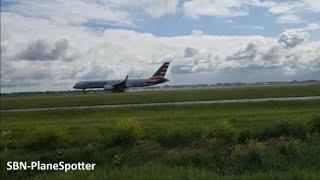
{"points": [[125, 79]]}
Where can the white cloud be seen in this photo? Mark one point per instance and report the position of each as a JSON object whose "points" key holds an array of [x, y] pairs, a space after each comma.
{"points": [[45, 51], [312, 27], [197, 32], [73, 12], [289, 56], [249, 52], [309, 27], [227, 8], [158, 8], [293, 38], [155, 8], [285, 11], [291, 11], [190, 52], [81, 12], [312, 5], [289, 18], [32, 57], [129, 13], [282, 8]]}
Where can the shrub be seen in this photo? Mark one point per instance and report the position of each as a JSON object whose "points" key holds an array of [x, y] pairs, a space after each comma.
{"points": [[43, 138], [313, 149], [313, 139], [247, 157], [128, 132], [244, 136], [217, 143], [177, 137], [298, 129], [6, 138], [315, 124], [289, 147], [225, 131], [117, 160], [188, 158], [219, 152], [131, 126], [141, 154]]}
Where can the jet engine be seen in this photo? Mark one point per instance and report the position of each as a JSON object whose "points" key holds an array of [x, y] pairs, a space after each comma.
{"points": [[108, 88]]}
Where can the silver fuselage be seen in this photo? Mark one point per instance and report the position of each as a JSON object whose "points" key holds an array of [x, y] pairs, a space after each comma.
{"points": [[129, 83]]}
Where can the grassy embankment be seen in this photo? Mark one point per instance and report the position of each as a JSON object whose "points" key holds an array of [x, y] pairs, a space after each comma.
{"points": [[159, 96], [227, 141]]}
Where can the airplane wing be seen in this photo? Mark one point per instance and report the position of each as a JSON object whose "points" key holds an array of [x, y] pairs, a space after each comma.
{"points": [[120, 86]]}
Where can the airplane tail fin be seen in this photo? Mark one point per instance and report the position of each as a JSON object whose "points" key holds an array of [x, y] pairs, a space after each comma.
{"points": [[161, 72]]}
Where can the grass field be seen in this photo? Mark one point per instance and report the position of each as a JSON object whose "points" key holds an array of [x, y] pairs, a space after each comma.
{"points": [[224, 141], [159, 96]]}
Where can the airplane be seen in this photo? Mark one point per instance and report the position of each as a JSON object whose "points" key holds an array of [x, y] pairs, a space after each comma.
{"points": [[122, 85]]}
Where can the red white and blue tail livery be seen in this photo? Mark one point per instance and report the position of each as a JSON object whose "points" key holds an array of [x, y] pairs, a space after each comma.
{"points": [[158, 77]]}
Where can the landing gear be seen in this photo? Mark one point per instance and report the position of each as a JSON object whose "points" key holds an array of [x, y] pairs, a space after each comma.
{"points": [[84, 91], [118, 89]]}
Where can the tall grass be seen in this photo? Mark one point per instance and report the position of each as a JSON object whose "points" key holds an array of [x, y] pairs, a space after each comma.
{"points": [[147, 146], [156, 171], [43, 139]]}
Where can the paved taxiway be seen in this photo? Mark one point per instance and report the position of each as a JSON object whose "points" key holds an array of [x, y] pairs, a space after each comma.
{"points": [[168, 103]]}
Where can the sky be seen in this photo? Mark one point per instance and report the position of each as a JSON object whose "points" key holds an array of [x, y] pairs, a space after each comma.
{"points": [[52, 44]]}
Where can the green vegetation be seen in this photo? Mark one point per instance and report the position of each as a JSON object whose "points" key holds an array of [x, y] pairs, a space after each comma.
{"points": [[159, 96], [269, 140]]}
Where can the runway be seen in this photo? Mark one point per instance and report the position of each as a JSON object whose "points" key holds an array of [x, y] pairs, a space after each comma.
{"points": [[229, 101]]}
